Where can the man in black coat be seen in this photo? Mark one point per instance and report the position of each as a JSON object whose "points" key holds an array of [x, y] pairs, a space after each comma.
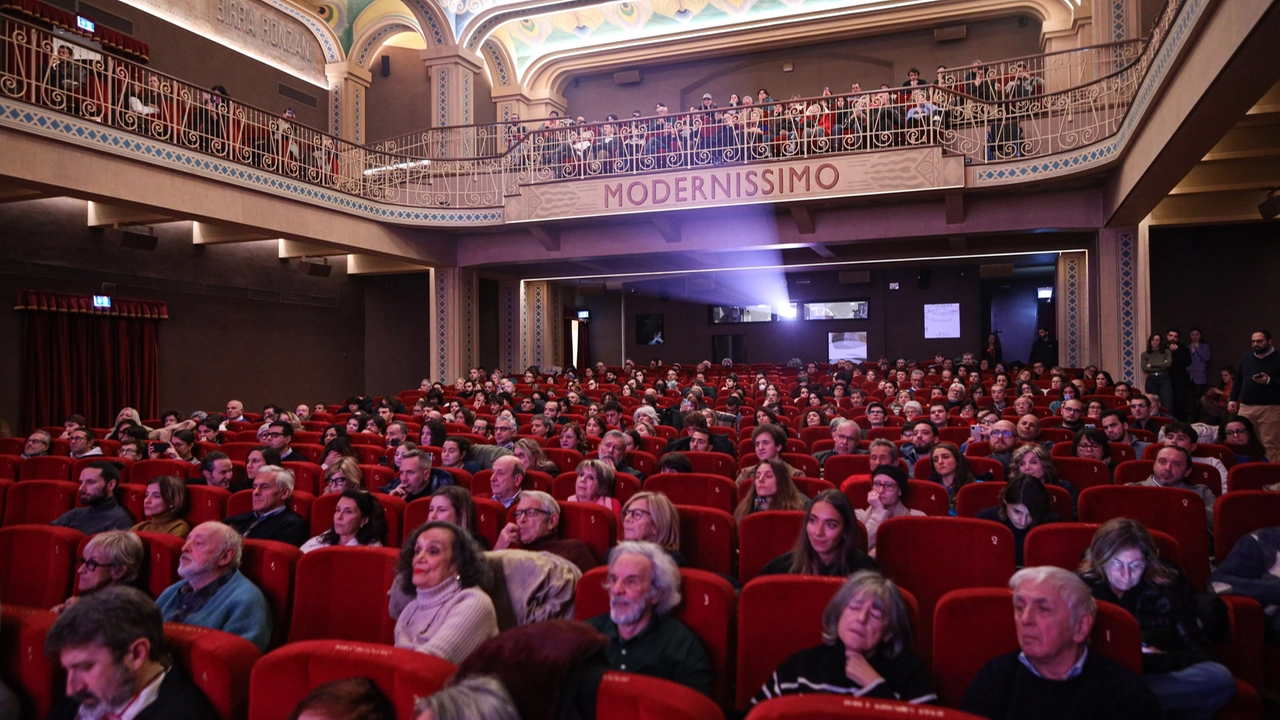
{"points": [[699, 439], [271, 518], [1044, 350], [1180, 375], [117, 665]]}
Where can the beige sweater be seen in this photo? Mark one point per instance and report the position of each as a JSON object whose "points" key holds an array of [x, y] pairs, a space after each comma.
{"points": [[447, 621]]}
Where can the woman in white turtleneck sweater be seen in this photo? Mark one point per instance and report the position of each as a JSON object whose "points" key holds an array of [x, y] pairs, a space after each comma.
{"points": [[450, 615]]}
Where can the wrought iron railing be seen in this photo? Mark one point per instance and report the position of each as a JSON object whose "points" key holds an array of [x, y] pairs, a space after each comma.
{"points": [[993, 113]]}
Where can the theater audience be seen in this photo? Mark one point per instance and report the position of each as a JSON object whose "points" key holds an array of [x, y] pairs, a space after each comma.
{"points": [[769, 441], [506, 480], [651, 517], [163, 506], [453, 454], [355, 698], [1035, 460], [828, 544], [100, 511], [38, 444], [358, 520], [1024, 504], [846, 435], [271, 518], [886, 499], [923, 437], [644, 587], [595, 484], [212, 592], [771, 489], [259, 457], [453, 504], [417, 478], [442, 569], [537, 528], [530, 454], [613, 450], [1092, 444], [1178, 663], [117, 664], [1053, 674], [1172, 469], [866, 649], [345, 474], [114, 557], [217, 470], [1185, 436], [82, 443], [1238, 434], [950, 468]]}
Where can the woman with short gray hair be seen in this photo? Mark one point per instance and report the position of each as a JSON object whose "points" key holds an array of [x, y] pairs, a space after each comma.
{"points": [[476, 698], [866, 650]]}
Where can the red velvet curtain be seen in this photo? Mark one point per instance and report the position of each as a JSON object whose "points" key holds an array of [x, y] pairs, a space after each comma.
{"points": [[87, 360]]}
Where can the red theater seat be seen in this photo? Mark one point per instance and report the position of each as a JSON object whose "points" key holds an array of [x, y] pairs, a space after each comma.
{"points": [[533, 480], [160, 570], [48, 467], [1241, 512], [1063, 545], [836, 707], [974, 625], [271, 566], [566, 460], [1138, 470], [312, 452], [708, 538], [306, 476], [238, 450], [9, 465], [764, 536], [376, 476], [979, 496], [713, 462], [144, 471], [461, 477], [625, 696], [206, 504], [1252, 476], [1083, 472], [931, 556], [39, 502], [766, 636], [12, 445], [219, 662], [37, 564], [1178, 512], [34, 678], [593, 524], [393, 509], [699, 489], [708, 609], [340, 593], [282, 678]]}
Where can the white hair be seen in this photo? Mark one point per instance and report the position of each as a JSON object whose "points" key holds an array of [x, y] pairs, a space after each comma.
{"points": [[1073, 591], [664, 583], [283, 476], [548, 503]]}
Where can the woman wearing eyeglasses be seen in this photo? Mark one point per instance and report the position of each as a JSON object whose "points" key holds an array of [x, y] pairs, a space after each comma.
{"points": [[651, 517], [110, 558], [1238, 434], [889, 488], [1178, 664]]}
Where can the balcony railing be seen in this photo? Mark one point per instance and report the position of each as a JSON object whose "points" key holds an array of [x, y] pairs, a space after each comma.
{"points": [[1022, 108]]}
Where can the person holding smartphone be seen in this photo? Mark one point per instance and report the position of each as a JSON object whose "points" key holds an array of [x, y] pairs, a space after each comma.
{"points": [[1255, 392]]}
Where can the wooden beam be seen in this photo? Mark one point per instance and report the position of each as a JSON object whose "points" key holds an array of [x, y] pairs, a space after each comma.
{"points": [[823, 250], [378, 265], [18, 194], [803, 218], [209, 234], [668, 228], [103, 215], [549, 237], [290, 249]]}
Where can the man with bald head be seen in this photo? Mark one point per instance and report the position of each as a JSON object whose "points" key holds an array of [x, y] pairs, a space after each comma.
{"points": [[506, 478], [235, 413], [213, 593]]}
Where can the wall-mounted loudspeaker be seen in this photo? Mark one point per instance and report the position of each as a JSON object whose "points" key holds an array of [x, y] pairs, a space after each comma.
{"points": [[627, 77], [995, 270], [386, 65], [855, 277], [132, 239]]}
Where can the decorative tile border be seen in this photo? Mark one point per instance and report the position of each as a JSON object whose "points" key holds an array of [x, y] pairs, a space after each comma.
{"points": [[31, 119], [498, 64], [1127, 282], [1110, 149], [1072, 284], [441, 276], [375, 40], [323, 33]]}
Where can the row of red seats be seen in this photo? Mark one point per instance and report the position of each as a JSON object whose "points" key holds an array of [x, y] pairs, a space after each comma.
{"points": [[337, 595]]}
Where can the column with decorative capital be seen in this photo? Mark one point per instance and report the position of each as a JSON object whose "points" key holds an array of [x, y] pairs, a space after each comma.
{"points": [[348, 95], [453, 75], [1076, 348]]}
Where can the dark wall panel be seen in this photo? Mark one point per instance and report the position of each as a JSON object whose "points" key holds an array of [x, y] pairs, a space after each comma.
{"points": [[397, 324], [1221, 279], [243, 323]]}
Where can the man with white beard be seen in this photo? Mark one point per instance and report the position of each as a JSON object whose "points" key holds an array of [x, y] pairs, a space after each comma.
{"points": [[644, 586]]}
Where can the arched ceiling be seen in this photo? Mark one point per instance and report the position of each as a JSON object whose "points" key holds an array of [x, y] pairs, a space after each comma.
{"points": [[534, 33]]}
